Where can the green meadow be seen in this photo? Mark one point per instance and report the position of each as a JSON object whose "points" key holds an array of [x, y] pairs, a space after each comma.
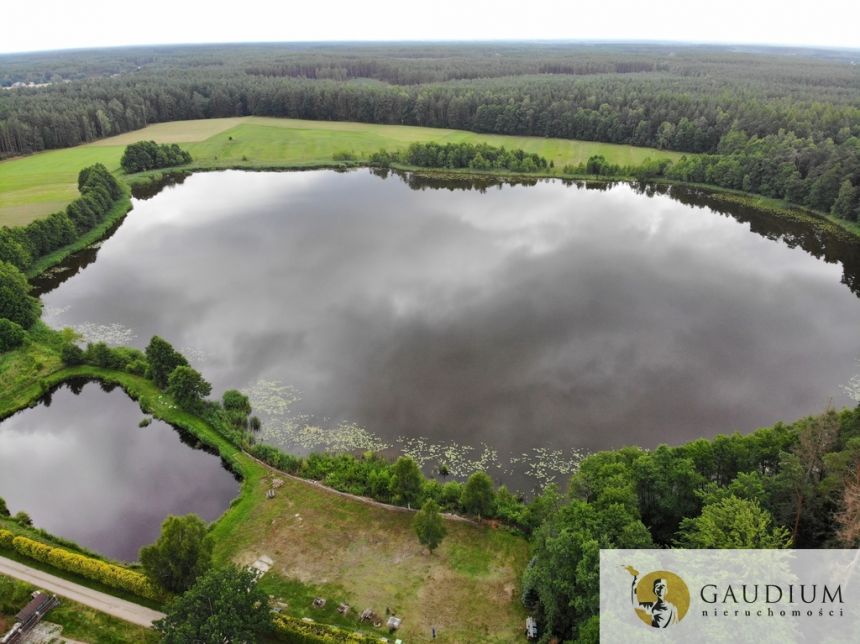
{"points": [[37, 185]]}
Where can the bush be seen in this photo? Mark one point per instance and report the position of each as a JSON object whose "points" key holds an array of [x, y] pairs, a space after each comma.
{"points": [[300, 632], [15, 301], [71, 354], [100, 571], [11, 335], [235, 400], [101, 355], [276, 458]]}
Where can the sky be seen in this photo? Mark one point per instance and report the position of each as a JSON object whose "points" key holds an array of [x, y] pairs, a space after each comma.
{"points": [[63, 24]]}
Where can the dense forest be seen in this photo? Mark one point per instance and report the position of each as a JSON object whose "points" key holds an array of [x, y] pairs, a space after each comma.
{"points": [[784, 123], [782, 486]]}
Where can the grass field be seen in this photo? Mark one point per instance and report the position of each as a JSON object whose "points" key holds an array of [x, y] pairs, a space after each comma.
{"points": [[37, 185], [369, 557]]}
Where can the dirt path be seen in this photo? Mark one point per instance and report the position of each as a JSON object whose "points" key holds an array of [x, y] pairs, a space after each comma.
{"points": [[109, 604]]}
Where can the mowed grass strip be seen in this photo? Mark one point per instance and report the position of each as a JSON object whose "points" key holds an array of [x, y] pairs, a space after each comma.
{"points": [[369, 557], [38, 185]]}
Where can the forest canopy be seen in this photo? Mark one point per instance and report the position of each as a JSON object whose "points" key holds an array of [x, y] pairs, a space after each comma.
{"points": [[780, 122]]}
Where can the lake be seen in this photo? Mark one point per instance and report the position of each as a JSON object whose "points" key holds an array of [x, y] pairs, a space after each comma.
{"points": [[506, 327], [81, 467]]}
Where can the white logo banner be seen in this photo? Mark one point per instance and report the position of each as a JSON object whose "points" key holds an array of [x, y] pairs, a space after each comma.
{"points": [[734, 596]]}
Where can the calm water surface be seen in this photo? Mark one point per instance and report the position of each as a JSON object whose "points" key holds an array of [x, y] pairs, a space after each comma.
{"points": [[81, 467], [478, 327]]}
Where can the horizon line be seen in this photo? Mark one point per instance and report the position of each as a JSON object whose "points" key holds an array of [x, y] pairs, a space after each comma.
{"points": [[460, 41]]}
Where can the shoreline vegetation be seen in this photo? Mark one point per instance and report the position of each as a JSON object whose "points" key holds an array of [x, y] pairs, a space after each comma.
{"points": [[45, 360]]}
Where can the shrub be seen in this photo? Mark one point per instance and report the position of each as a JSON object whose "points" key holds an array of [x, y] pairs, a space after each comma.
{"points": [[71, 354], [300, 632], [235, 400], [100, 571], [15, 301], [11, 335], [6, 538]]}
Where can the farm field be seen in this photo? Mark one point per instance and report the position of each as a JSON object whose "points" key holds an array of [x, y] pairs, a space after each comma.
{"points": [[37, 185]]}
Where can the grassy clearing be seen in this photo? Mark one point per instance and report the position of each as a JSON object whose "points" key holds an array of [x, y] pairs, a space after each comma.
{"points": [[369, 557], [21, 370], [37, 185], [79, 622]]}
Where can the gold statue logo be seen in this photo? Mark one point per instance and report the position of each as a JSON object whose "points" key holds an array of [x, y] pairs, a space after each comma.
{"points": [[660, 598]]}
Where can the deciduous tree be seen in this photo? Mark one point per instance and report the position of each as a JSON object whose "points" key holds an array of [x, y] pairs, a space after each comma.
{"points": [[429, 526], [187, 387], [224, 605], [15, 301], [181, 554]]}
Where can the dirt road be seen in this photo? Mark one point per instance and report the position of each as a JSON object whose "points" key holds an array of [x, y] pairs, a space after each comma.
{"points": [[100, 601]]}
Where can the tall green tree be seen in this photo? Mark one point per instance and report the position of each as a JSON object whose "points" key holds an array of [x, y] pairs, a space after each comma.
{"points": [[478, 495], [187, 387], [181, 554], [732, 523], [845, 205], [163, 359], [225, 605], [562, 581], [428, 525], [16, 304], [406, 480]]}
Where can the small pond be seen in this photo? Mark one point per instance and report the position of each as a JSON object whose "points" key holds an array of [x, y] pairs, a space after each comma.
{"points": [[81, 467]]}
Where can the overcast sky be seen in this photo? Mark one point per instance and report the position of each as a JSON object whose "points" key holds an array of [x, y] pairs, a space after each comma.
{"points": [[60, 24]]}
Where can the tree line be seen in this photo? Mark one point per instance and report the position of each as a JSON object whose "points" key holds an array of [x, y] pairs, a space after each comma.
{"points": [[22, 245], [783, 486], [463, 155], [782, 123], [149, 155]]}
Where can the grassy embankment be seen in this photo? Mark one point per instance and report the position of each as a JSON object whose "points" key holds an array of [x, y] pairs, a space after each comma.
{"points": [[323, 543], [37, 185], [79, 622]]}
